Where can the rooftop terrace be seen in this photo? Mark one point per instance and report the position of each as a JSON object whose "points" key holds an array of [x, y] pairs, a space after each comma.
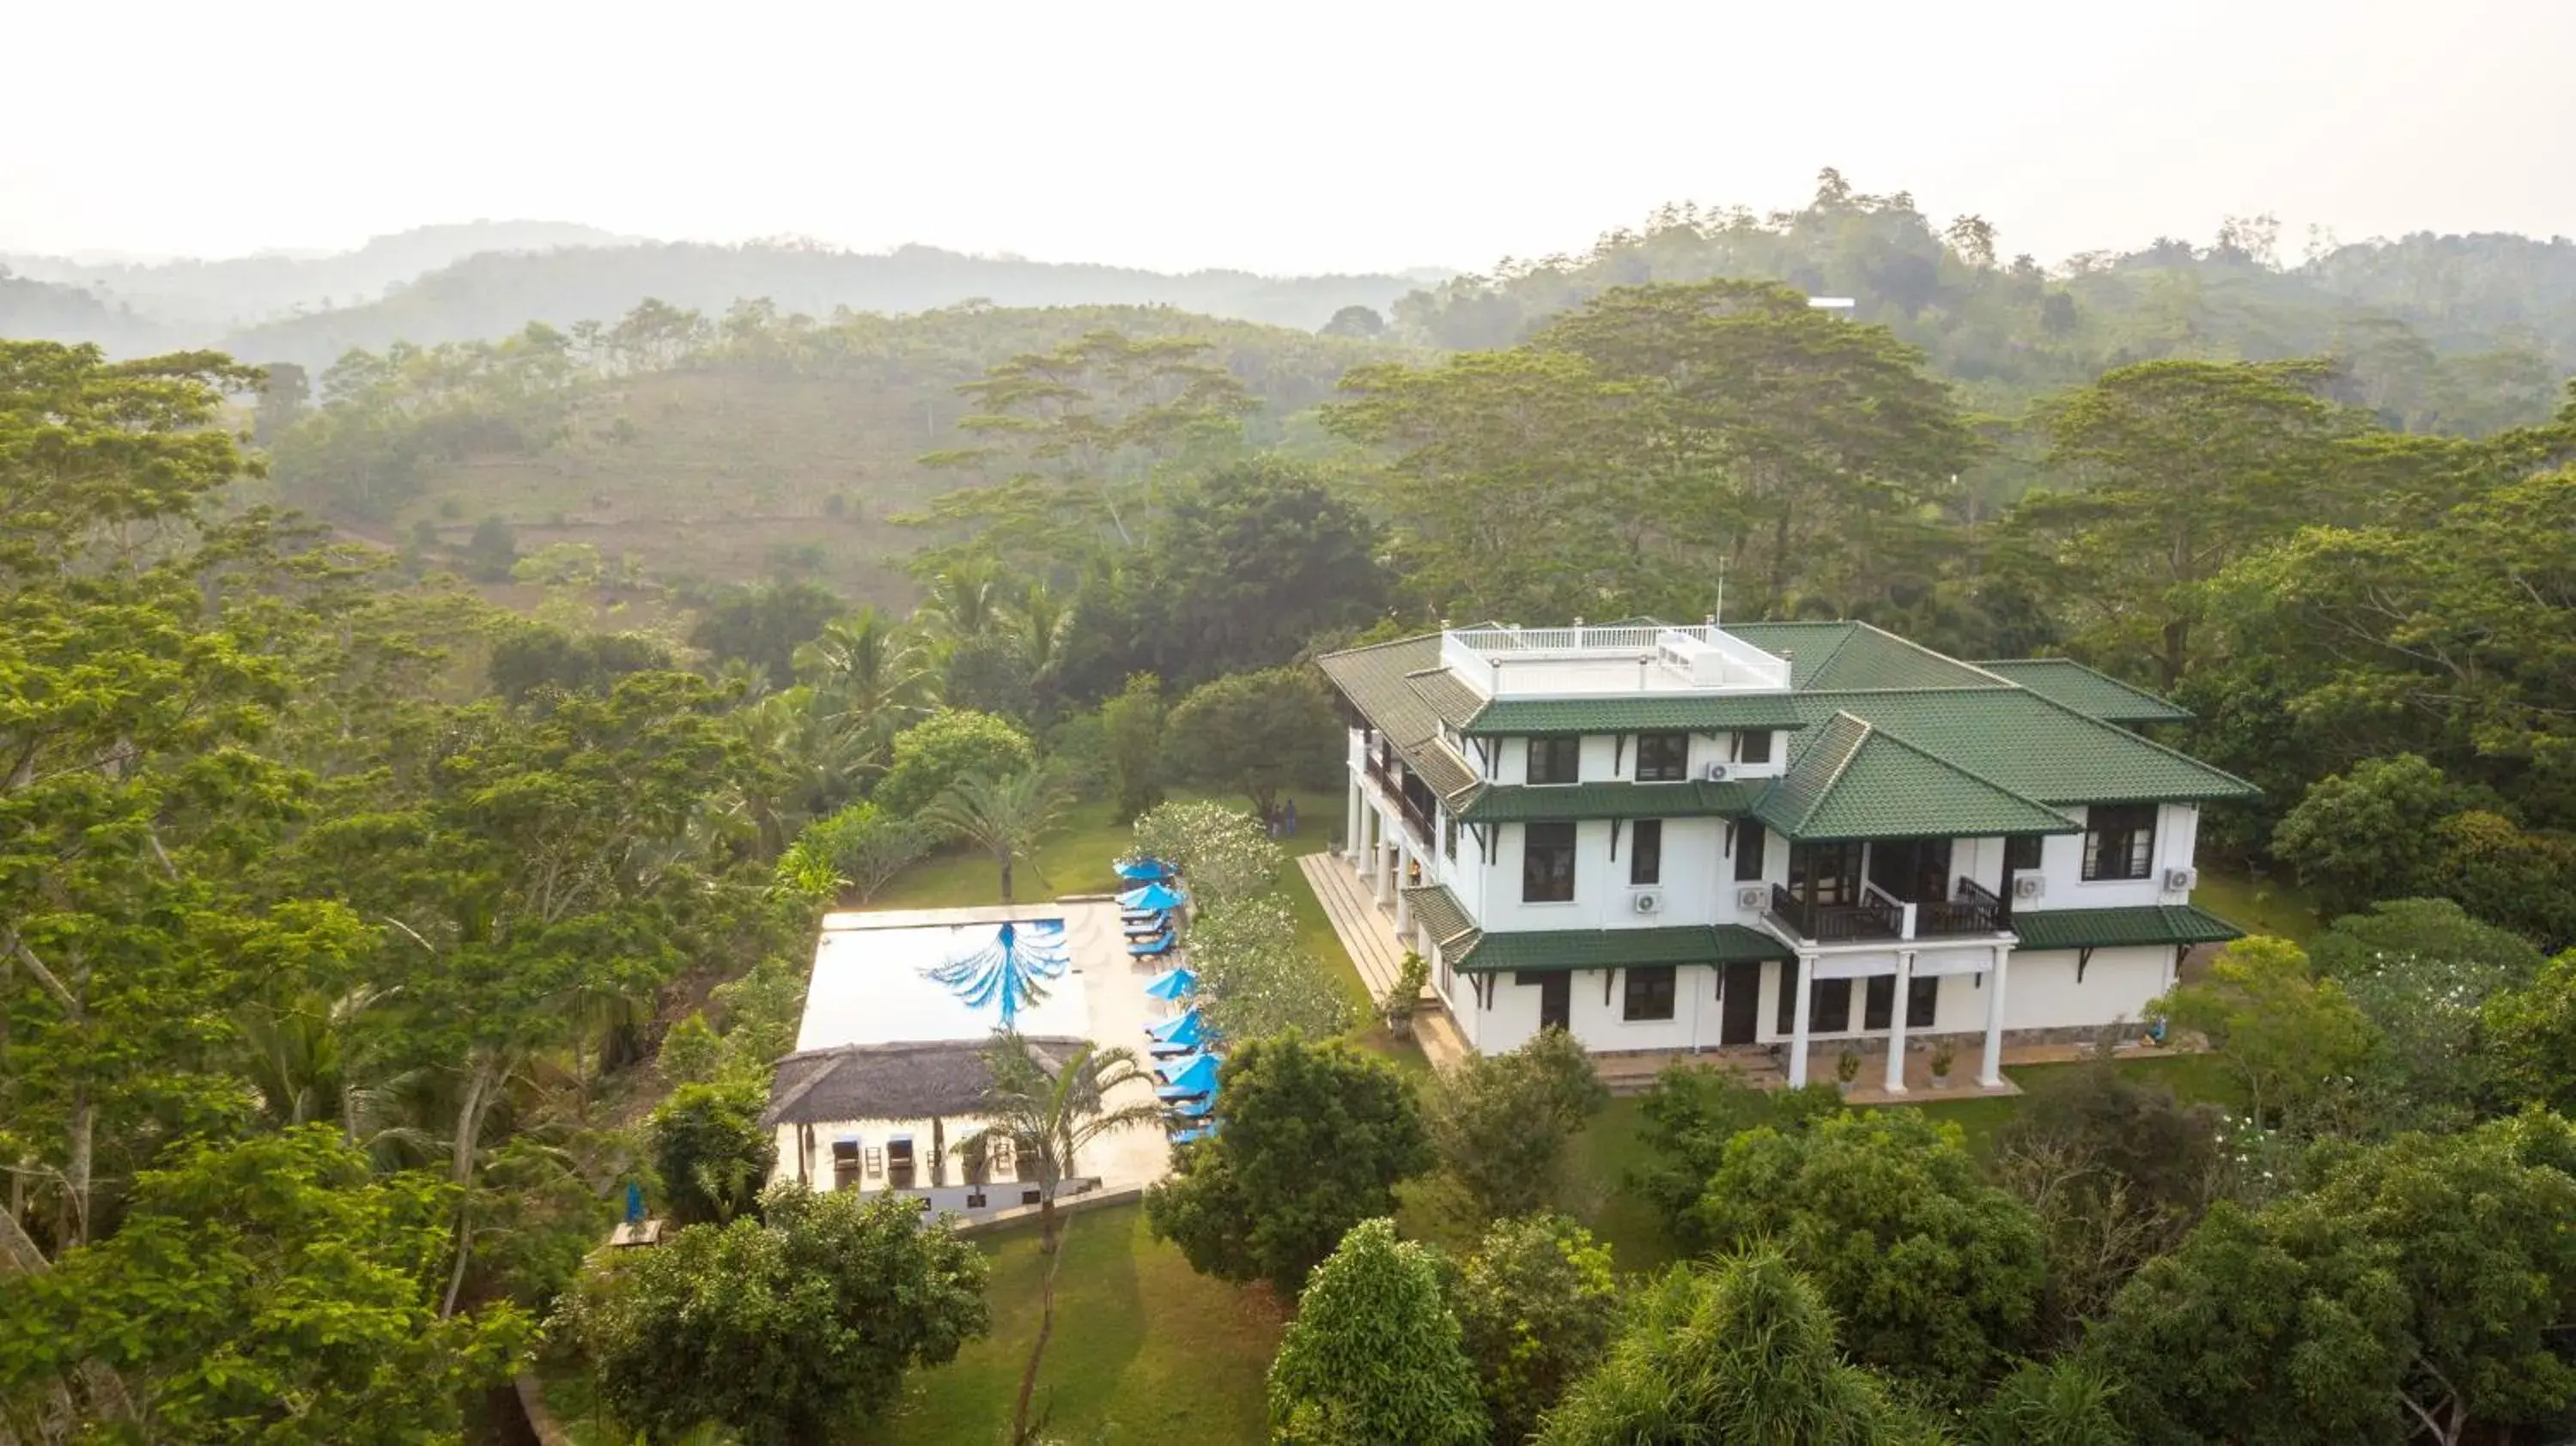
{"points": [[1615, 661]]}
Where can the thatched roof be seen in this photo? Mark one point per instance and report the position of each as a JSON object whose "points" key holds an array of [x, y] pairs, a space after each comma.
{"points": [[893, 1081]]}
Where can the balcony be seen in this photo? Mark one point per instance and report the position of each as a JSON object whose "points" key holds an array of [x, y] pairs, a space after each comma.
{"points": [[1971, 910], [1391, 779]]}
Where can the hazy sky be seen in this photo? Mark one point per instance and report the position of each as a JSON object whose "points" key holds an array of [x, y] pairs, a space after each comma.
{"points": [[1314, 136]]}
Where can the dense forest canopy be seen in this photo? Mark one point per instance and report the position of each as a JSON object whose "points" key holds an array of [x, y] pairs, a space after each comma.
{"points": [[391, 878]]}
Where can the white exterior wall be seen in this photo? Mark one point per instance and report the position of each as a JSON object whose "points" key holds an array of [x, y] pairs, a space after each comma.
{"points": [[2043, 993], [2061, 863]]}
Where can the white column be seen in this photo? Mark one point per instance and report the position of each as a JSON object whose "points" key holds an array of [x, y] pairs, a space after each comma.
{"points": [[1403, 905], [1992, 1075], [1383, 863], [1896, 1024], [1351, 821], [1364, 859], [1795, 977]]}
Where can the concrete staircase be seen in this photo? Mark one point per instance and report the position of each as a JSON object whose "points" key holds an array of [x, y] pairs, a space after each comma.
{"points": [[1368, 936]]}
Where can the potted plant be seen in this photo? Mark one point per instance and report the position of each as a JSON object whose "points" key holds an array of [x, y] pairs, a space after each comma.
{"points": [[1847, 1069], [1944, 1054], [1403, 998]]}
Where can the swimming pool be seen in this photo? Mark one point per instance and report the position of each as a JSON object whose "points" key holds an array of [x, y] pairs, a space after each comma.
{"points": [[877, 986]]}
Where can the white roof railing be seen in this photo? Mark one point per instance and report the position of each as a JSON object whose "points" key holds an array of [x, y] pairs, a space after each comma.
{"points": [[1608, 661]]}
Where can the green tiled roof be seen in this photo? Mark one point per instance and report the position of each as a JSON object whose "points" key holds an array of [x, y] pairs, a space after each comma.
{"points": [[1541, 802], [2025, 744], [1854, 780], [1441, 916], [1378, 682], [1449, 699], [1560, 949], [2093, 694], [1644, 713], [2111, 928], [1847, 655], [1441, 769]]}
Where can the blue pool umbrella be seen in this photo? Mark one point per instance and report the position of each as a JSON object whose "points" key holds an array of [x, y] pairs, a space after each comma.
{"points": [[1182, 1029], [1007, 972], [1144, 869], [1195, 1073], [1151, 896], [1171, 984]]}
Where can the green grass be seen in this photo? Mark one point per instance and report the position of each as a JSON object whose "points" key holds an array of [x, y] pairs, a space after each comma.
{"points": [[1144, 1348], [2259, 906]]}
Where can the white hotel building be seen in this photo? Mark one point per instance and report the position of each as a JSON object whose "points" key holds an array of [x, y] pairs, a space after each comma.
{"points": [[1667, 838]]}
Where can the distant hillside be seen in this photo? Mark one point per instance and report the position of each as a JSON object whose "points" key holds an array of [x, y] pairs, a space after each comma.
{"points": [[33, 310], [207, 297], [485, 298], [771, 445], [2464, 334]]}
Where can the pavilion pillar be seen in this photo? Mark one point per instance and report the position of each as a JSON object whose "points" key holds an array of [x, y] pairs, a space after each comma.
{"points": [[1896, 1023], [1351, 821], [1794, 976], [1403, 905], [1992, 1075]]}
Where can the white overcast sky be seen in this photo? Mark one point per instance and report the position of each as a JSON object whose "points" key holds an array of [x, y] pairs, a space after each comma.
{"points": [[1282, 138]]}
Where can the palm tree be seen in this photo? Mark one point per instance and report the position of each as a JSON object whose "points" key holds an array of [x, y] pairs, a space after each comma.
{"points": [[968, 598], [868, 672], [1045, 620], [1005, 818], [1050, 1117]]}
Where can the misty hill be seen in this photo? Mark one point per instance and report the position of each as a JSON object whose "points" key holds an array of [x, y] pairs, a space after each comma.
{"points": [[49, 311], [484, 298], [202, 298], [2463, 334], [716, 452]]}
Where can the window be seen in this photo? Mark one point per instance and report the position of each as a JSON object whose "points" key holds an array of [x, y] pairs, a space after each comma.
{"points": [[1646, 855], [1650, 993], [1827, 873], [1748, 852], [2119, 841], [1829, 1011], [1547, 863], [1753, 748], [1555, 760], [2021, 851], [1922, 1000], [1663, 757]]}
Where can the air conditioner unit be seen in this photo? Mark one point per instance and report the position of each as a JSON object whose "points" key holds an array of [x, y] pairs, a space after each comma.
{"points": [[1646, 901], [1713, 772], [2181, 881], [1753, 898], [2029, 886]]}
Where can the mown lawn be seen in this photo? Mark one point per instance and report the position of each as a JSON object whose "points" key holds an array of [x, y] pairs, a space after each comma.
{"points": [[1144, 1348], [1076, 860], [2265, 906]]}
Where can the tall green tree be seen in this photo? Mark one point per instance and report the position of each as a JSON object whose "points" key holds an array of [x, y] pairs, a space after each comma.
{"points": [[1537, 1306], [1374, 1353], [2171, 470], [1314, 1139], [947, 746], [1131, 725], [783, 1328], [270, 1290], [1502, 1122], [2284, 1031], [712, 1152], [1740, 1351], [1257, 734], [1050, 1119], [1936, 1274]]}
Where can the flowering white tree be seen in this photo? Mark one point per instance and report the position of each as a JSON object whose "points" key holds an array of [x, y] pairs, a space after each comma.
{"points": [[1255, 979], [1223, 853]]}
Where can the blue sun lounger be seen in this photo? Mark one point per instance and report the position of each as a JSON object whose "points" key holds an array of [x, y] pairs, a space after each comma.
{"points": [[1150, 948], [1193, 1136]]}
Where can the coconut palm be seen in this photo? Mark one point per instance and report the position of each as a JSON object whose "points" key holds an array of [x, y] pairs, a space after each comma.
{"points": [[1050, 1114], [868, 674], [968, 598], [1007, 818]]}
